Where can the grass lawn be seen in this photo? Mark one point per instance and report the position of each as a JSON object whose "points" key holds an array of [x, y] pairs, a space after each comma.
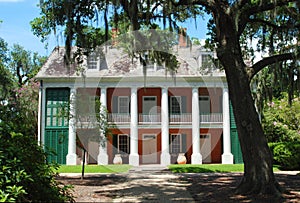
{"points": [[209, 168], [94, 168]]}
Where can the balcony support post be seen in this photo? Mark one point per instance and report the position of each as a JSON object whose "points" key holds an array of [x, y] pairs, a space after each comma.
{"points": [[196, 156], [102, 158], [134, 157], [72, 156], [165, 158], [227, 157]]}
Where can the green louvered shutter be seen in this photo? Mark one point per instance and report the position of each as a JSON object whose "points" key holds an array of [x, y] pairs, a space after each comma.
{"points": [[115, 104], [115, 144], [56, 124], [183, 143], [235, 144]]}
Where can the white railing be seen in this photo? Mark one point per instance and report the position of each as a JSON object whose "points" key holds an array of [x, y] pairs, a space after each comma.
{"points": [[87, 120], [149, 118], [118, 118], [211, 118], [180, 118], [185, 118]]}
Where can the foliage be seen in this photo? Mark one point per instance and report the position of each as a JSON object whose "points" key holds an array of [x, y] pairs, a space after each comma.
{"points": [[286, 154], [281, 122], [24, 174], [23, 64], [23, 179]]}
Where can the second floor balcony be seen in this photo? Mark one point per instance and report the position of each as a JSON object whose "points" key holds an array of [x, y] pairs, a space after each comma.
{"points": [[151, 119]]}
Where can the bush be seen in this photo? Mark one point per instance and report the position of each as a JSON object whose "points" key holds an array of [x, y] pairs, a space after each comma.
{"points": [[281, 121], [24, 174], [286, 155]]}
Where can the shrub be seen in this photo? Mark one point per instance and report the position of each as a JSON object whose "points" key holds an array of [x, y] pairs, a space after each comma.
{"points": [[24, 174], [286, 155], [281, 121]]}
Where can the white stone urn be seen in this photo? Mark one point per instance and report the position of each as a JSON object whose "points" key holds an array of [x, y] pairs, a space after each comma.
{"points": [[181, 158], [117, 159]]}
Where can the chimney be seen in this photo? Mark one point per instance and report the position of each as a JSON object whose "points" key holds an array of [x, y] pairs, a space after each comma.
{"points": [[114, 35], [182, 41]]}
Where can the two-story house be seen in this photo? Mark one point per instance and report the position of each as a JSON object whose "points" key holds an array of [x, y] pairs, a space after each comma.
{"points": [[152, 118]]}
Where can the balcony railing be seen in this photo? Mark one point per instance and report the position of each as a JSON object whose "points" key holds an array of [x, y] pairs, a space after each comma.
{"points": [[118, 118], [86, 120], [185, 118], [149, 118], [211, 118]]}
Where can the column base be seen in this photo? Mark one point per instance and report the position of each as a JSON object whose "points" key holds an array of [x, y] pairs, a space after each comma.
{"points": [[196, 158], [227, 158], [71, 159], [102, 159], [134, 160], [165, 159]]}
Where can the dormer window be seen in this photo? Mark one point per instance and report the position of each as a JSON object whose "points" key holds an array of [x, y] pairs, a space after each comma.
{"points": [[205, 60], [92, 61]]}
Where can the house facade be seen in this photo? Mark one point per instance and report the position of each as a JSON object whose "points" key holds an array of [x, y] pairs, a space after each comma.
{"points": [[152, 115]]}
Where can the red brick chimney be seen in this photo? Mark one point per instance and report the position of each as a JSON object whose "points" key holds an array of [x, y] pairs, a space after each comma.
{"points": [[114, 35], [182, 41]]}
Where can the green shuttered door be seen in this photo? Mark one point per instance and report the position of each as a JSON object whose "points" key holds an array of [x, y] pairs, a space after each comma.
{"points": [[235, 144], [56, 144], [56, 126]]}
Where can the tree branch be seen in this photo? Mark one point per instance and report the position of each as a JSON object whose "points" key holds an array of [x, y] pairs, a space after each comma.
{"points": [[270, 24], [247, 11], [208, 4], [258, 8], [252, 71]]}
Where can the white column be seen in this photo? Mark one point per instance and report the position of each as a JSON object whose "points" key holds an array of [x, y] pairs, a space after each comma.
{"points": [[40, 114], [227, 157], [134, 157], [196, 156], [71, 157], [102, 158], [165, 158], [43, 119]]}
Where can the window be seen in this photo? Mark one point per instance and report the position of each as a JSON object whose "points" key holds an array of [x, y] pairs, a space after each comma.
{"points": [[176, 143], [175, 105], [123, 144], [92, 61], [206, 59], [123, 105], [204, 103]]}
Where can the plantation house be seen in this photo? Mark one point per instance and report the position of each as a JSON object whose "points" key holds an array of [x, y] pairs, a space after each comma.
{"points": [[151, 119]]}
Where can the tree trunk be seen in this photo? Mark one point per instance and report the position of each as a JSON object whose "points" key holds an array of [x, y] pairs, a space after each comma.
{"points": [[258, 172]]}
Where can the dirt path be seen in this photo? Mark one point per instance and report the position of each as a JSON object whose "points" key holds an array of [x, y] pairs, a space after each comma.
{"points": [[169, 187]]}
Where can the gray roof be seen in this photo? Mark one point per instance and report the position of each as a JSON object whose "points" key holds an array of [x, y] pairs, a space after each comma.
{"points": [[116, 63]]}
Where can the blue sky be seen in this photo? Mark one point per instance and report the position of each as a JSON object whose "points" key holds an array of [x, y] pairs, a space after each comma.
{"points": [[15, 28]]}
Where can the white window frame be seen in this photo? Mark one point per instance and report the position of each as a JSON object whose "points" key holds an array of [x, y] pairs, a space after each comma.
{"points": [[178, 98], [207, 58], [93, 61], [180, 143], [119, 102], [119, 135]]}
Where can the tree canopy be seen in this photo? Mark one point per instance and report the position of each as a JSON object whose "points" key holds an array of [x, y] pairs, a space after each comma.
{"points": [[234, 27]]}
